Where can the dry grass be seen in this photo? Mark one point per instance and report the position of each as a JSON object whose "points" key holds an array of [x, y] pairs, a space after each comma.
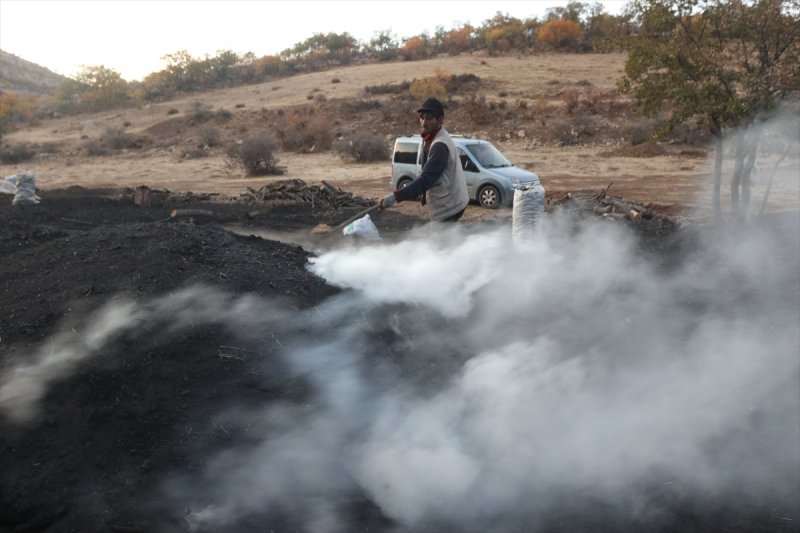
{"points": [[519, 103]]}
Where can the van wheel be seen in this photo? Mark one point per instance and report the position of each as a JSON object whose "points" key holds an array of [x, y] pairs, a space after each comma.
{"points": [[489, 197], [402, 183]]}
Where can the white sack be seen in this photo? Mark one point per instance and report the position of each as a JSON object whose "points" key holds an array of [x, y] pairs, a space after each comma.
{"points": [[26, 189], [363, 228], [527, 211]]}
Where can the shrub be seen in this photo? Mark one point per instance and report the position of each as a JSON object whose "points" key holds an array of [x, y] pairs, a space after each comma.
{"points": [[571, 98], [427, 87], [116, 139], [209, 137], [94, 148], [257, 156], [223, 115], [362, 148], [17, 153], [462, 82], [640, 130], [304, 130], [172, 111], [353, 107], [199, 112], [388, 88]]}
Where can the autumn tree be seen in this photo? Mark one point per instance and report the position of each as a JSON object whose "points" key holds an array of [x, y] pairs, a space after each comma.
{"points": [[417, 47], [558, 33], [502, 33], [730, 63], [15, 109]]}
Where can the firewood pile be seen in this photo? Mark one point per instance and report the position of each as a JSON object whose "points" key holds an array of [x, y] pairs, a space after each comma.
{"points": [[604, 205], [322, 196]]}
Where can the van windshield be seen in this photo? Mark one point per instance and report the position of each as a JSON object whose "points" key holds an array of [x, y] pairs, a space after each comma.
{"points": [[487, 155]]}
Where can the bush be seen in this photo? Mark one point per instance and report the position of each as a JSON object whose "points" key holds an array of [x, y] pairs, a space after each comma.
{"points": [[362, 148], [17, 153], [93, 148], [223, 115], [257, 156], [641, 130], [359, 105], [117, 139], [305, 131], [209, 137], [199, 112], [388, 88]]}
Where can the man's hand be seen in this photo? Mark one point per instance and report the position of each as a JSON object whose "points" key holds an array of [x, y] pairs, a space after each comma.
{"points": [[388, 201]]}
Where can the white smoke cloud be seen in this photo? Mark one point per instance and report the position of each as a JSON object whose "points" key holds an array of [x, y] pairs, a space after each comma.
{"points": [[584, 366], [466, 383]]}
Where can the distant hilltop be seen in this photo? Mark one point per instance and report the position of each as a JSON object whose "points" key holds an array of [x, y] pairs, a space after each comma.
{"points": [[23, 77]]}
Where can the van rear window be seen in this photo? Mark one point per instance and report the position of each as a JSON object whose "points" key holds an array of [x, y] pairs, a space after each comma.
{"points": [[406, 153]]}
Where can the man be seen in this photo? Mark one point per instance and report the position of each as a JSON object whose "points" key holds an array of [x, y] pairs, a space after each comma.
{"points": [[442, 180]]}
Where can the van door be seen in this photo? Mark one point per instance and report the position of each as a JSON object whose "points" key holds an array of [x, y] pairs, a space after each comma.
{"points": [[470, 170]]}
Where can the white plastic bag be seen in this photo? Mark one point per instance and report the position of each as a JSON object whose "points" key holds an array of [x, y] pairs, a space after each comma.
{"points": [[26, 189], [363, 228]]}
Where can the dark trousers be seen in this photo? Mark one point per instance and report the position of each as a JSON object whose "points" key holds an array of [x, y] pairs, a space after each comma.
{"points": [[454, 218]]}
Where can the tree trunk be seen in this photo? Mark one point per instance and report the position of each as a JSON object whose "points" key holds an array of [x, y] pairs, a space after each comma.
{"points": [[751, 148], [718, 156], [786, 151], [736, 179]]}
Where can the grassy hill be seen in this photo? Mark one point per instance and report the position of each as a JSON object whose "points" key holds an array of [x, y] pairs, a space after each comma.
{"points": [[23, 77]]}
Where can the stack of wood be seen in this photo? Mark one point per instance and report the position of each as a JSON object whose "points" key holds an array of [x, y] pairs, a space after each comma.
{"points": [[603, 205], [322, 196]]}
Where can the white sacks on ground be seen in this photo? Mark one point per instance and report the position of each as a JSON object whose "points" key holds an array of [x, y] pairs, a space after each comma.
{"points": [[9, 185], [26, 189], [363, 228], [527, 211]]}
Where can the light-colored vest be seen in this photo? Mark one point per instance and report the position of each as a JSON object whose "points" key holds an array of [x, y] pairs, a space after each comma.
{"points": [[449, 195]]}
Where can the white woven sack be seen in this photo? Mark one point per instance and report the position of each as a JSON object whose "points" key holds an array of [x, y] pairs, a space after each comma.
{"points": [[527, 211]]}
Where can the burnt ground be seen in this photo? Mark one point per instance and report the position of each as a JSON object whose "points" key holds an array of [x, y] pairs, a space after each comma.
{"points": [[120, 426]]}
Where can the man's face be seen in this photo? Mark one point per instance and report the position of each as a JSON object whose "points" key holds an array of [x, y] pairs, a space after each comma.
{"points": [[429, 123]]}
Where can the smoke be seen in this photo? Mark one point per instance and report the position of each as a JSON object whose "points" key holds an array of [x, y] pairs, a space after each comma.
{"points": [[465, 382], [475, 384], [23, 385]]}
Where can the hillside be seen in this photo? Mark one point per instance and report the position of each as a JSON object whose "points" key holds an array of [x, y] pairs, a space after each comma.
{"points": [[23, 77], [559, 115]]}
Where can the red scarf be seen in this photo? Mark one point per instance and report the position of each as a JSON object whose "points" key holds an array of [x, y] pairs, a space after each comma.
{"points": [[427, 139]]}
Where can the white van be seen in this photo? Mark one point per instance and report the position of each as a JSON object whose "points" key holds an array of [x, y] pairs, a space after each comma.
{"points": [[491, 178]]}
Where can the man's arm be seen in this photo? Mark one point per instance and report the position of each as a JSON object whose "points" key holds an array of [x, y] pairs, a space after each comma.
{"points": [[431, 172]]}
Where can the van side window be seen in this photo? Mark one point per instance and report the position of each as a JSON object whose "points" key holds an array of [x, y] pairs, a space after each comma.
{"points": [[406, 153], [466, 163]]}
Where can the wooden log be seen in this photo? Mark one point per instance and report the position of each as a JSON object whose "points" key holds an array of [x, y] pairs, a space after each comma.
{"points": [[190, 213]]}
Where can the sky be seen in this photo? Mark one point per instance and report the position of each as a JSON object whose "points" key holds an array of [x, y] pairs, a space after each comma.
{"points": [[131, 37]]}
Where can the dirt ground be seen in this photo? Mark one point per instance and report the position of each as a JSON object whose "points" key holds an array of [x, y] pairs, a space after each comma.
{"points": [[164, 373]]}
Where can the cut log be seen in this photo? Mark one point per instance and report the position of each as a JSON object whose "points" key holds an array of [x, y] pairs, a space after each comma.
{"points": [[190, 213]]}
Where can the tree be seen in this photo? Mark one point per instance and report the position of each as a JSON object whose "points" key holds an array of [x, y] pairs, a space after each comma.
{"points": [[14, 109], [104, 87], [731, 63], [560, 33], [384, 45]]}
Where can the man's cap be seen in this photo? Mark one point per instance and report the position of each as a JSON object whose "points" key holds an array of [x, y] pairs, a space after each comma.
{"points": [[433, 106]]}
